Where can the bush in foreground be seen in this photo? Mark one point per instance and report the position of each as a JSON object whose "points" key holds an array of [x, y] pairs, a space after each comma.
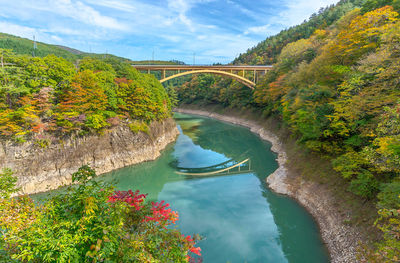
{"points": [[91, 222]]}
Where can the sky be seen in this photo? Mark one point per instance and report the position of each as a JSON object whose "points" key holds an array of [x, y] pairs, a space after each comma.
{"points": [[199, 31]]}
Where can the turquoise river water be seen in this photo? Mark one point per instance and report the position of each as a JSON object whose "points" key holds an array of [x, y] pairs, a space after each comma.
{"points": [[239, 218]]}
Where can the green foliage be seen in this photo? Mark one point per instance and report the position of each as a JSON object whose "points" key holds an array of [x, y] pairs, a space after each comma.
{"points": [[96, 122], [42, 143], [173, 95], [46, 95], [143, 99], [364, 185], [204, 88], [91, 222], [370, 5], [92, 64], [388, 250], [7, 183], [84, 174], [137, 126], [350, 164], [389, 197]]}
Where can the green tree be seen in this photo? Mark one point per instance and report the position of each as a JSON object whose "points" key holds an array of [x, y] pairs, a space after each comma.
{"points": [[7, 183]]}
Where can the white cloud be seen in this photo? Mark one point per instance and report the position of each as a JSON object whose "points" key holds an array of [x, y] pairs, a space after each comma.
{"points": [[18, 30], [298, 10], [57, 39], [255, 15], [172, 38], [115, 4], [28, 32], [75, 10], [181, 7], [259, 30]]}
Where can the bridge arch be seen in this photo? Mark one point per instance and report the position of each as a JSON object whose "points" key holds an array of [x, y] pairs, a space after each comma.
{"points": [[241, 79]]}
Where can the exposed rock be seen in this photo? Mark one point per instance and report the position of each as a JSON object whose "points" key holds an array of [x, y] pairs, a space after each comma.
{"points": [[41, 169], [340, 239]]}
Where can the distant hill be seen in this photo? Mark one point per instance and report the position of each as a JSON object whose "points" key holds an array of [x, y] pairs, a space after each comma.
{"points": [[24, 46], [72, 50]]}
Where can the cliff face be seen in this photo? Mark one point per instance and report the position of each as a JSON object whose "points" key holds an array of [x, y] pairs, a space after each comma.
{"points": [[41, 169]]}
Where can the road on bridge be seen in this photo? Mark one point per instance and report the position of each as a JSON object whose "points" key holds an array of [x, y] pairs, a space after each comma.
{"points": [[237, 72]]}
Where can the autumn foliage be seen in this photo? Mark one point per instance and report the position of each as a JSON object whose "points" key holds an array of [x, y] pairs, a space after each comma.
{"points": [[45, 98], [91, 222]]}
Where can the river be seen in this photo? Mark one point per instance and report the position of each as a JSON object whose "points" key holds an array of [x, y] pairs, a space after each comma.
{"points": [[239, 218]]}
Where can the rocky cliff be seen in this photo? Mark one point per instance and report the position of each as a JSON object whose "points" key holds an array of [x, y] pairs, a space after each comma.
{"points": [[41, 169]]}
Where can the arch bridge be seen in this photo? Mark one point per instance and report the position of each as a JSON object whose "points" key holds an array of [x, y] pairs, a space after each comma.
{"points": [[239, 73]]}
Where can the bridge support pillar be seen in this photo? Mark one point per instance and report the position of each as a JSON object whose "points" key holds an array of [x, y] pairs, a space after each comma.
{"points": [[163, 74], [254, 77]]}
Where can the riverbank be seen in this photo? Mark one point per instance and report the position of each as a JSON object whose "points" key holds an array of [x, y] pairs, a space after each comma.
{"points": [[42, 169], [340, 238]]}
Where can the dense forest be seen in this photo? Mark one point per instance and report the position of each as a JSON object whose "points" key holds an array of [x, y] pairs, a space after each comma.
{"points": [[46, 98], [335, 86]]}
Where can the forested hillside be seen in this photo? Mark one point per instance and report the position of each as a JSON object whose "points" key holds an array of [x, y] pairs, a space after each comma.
{"points": [[23, 46], [45, 98], [335, 85]]}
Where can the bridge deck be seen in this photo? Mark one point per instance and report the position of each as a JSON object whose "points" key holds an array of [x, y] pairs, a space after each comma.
{"points": [[199, 67]]}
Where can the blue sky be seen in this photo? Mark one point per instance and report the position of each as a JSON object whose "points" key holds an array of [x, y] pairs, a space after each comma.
{"points": [[215, 30]]}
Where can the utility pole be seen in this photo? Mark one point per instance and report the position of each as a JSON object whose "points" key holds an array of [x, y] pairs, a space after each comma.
{"points": [[34, 46], [2, 62]]}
